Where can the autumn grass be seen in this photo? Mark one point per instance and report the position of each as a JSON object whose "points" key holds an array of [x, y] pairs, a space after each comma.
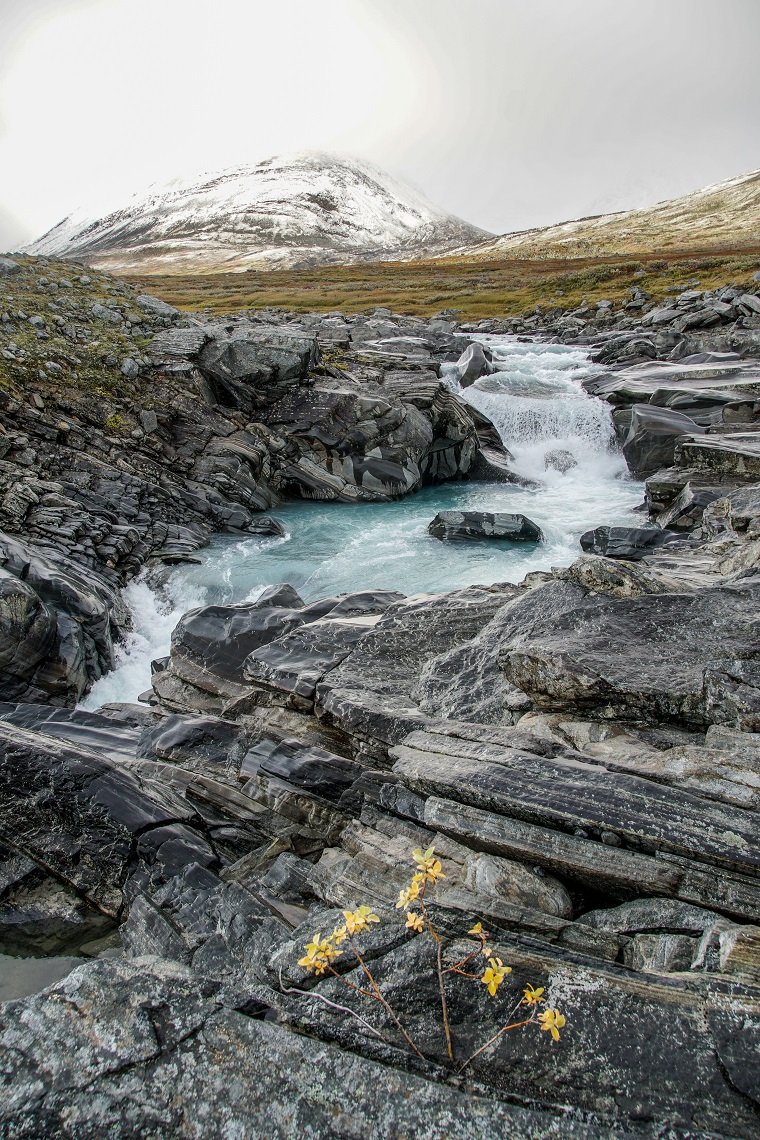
{"points": [[476, 289]]}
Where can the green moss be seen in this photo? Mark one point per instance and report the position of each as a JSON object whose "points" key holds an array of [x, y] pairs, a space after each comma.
{"points": [[115, 425]]}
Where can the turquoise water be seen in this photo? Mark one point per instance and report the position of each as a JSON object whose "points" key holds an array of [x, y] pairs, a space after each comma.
{"points": [[538, 405]]}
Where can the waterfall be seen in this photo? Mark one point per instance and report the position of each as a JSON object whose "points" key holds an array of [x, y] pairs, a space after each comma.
{"points": [[559, 436]]}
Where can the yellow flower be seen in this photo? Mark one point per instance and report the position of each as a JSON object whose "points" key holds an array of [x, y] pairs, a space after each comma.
{"points": [[552, 1020], [340, 934], [415, 921], [532, 997], [359, 920], [319, 954], [494, 975], [428, 865], [478, 929], [408, 896]]}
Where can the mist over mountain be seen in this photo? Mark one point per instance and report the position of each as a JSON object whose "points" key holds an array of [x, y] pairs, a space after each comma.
{"points": [[286, 212]]}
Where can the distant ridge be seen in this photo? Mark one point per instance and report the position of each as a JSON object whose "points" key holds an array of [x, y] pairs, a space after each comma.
{"points": [[726, 214], [296, 211]]}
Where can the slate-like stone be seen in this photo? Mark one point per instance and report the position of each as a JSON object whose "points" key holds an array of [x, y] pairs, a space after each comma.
{"points": [[470, 526]]}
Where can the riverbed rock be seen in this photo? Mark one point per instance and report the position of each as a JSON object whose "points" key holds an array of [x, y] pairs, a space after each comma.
{"points": [[472, 364], [469, 526], [650, 443], [624, 542], [602, 653]]}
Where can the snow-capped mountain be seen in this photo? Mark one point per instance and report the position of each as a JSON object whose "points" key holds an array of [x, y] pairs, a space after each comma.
{"points": [[724, 214], [291, 212]]}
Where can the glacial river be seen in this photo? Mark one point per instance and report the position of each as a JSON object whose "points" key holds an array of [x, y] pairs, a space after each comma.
{"points": [[538, 405]]}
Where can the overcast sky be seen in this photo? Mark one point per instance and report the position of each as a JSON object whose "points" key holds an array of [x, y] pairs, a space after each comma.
{"points": [[510, 113]]}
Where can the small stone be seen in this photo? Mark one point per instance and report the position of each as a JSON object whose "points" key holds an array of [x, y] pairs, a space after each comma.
{"points": [[8, 267], [610, 839], [149, 421], [129, 368]]}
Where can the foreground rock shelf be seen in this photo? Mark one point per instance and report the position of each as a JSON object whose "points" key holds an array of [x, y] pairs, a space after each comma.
{"points": [[594, 803]]}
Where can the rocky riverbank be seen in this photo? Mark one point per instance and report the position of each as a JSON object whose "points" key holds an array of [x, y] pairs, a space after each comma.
{"points": [[129, 433], [581, 749]]}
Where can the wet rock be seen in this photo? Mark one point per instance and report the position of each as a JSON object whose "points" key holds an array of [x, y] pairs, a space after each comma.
{"points": [[311, 768], [624, 542], [650, 443], [40, 917], [266, 526], [558, 459], [114, 740], [467, 526], [65, 618], [27, 634], [76, 814], [472, 364], [217, 639], [199, 743]]}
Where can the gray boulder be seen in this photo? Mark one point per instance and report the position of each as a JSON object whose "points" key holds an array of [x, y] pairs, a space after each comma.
{"points": [[156, 308], [645, 657], [468, 526], [253, 368], [650, 443], [472, 364], [624, 542], [58, 624]]}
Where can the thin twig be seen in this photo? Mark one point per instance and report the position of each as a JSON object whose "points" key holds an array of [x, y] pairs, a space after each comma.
{"points": [[382, 1000], [332, 1004], [496, 1036], [439, 971], [456, 970]]}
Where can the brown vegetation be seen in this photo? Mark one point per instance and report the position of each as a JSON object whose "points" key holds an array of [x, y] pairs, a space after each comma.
{"points": [[475, 289]]}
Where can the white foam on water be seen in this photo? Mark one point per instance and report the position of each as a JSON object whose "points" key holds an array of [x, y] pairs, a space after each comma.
{"points": [[154, 614], [538, 406]]}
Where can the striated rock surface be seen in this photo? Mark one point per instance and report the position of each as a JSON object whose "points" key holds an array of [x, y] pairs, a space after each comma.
{"points": [[129, 433], [581, 750], [479, 526]]}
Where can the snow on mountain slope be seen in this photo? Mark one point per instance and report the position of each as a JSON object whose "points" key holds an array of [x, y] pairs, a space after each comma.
{"points": [[726, 214], [291, 212]]}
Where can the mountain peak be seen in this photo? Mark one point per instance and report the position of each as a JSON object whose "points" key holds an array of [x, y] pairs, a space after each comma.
{"points": [[291, 211]]}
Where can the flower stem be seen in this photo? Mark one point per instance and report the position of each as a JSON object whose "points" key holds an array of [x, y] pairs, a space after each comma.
{"points": [[496, 1036], [441, 985], [382, 1000]]}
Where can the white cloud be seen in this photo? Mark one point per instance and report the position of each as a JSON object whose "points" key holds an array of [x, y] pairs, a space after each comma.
{"points": [[509, 113]]}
